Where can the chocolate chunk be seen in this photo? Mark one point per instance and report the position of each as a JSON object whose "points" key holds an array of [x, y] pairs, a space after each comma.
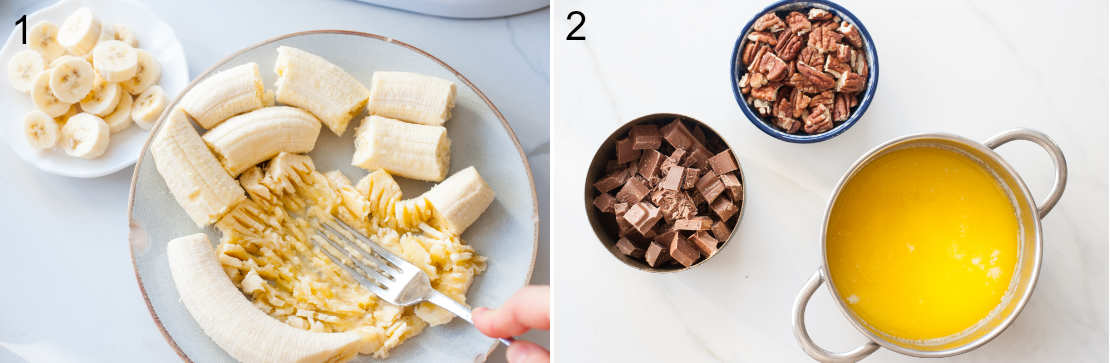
{"points": [[624, 228], [679, 136], [706, 243], [629, 249], [649, 163], [633, 191], [620, 208], [678, 154], [733, 185], [723, 162], [674, 179], [699, 223], [724, 207], [604, 202], [698, 158], [625, 152], [667, 164], [720, 230], [690, 179], [699, 134], [686, 207], [656, 254], [611, 181], [645, 137], [709, 186], [642, 217], [683, 251]]}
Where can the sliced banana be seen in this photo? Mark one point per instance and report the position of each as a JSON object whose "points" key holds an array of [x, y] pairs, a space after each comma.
{"points": [[228, 93], [120, 119], [43, 38], [22, 69], [411, 97], [102, 99], [115, 60], [85, 136], [43, 97], [79, 32], [410, 150], [72, 79], [148, 106], [311, 82], [40, 129], [148, 72]]}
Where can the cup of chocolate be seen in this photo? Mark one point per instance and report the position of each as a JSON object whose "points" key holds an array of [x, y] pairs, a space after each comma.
{"points": [[664, 193]]}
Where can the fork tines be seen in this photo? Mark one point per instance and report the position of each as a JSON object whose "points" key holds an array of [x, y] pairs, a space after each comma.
{"points": [[365, 260]]}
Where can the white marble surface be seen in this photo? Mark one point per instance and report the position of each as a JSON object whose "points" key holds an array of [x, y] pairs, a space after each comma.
{"points": [[969, 67], [69, 291]]}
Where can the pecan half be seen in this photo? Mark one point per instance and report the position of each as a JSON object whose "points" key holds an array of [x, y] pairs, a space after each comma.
{"points": [[811, 56], [749, 52], [841, 109], [823, 98], [763, 37], [843, 53], [769, 92], [819, 120], [797, 23], [769, 22], [788, 124], [851, 33], [823, 39], [757, 57], [795, 80], [819, 14], [784, 108], [789, 46], [800, 101], [773, 66], [820, 80], [850, 82], [836, 67]]}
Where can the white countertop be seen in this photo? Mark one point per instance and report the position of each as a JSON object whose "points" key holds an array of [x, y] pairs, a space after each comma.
{"points": [[972, 68], [69, 291]]}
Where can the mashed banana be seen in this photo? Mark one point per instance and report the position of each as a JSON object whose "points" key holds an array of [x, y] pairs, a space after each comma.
{"points": [[266, 251]]}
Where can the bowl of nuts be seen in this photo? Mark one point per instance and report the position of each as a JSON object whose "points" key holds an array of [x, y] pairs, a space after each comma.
{"points": [[804, 71]]}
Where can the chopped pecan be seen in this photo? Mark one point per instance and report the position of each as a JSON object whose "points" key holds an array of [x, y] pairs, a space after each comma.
{"points": [[851, 33], [757, 80], [797, 23], [749, 52], [843, 53], [769, 92], [850, 82], [836, 67], [757, 57], [818, 79], [743, 83], [800, 101], [819, 120], [784, 108], [773, 66], [769, 22], [811, 56], [761, 106], [789, 46], [819, 14], [840, 109], [788, 124], [859, 64], [823, 39], [763, 37], [795, 80], [823, 98]]}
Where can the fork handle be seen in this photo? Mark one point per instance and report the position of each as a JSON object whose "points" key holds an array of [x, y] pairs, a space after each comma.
{"points": [[461, 310]]}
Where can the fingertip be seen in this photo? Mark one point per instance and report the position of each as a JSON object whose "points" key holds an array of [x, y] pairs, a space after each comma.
{"points": [[526, 352]]}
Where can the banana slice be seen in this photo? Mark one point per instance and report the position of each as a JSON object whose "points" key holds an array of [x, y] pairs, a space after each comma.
{"points": [[120, 118], [197, 181], [85, 136], [43, 38], [119, 32], [224, 94], [414, 151], [147, 73], [311, 82], [115, 60], [40, 129], [22, 69], [102, 99], [460, 200], [72, 79], [79, 32], [411, 97], [234, 323], [43, 97], [148, 106], [248, 139]]}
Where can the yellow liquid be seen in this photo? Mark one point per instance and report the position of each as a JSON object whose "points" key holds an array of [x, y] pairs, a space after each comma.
{"points": [[922, 243]]}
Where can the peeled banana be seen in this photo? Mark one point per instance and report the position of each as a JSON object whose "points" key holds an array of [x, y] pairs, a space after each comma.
{"points": [[460, 200], [411, 97], [241, 329], [248, 139], [43, 38], [85, 136], [79, 32], [192, 174], [40, 130], [22, 69], [311, 82], [414, 151], [227, 93], [116, 61]]}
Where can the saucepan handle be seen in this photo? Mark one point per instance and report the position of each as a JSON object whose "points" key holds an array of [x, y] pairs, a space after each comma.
{"points": [[807, 343], [1049, 146]]}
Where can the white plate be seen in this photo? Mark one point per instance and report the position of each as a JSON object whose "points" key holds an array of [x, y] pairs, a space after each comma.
{"points": [[155, 36], [507, 233]]}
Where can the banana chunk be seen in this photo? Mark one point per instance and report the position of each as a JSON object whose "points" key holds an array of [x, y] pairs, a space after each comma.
{"points": [[148, 106], [79, 32], [414, 151], [102, 99], [192, 174], [120, 119], [248, 139], [311, 82], [147, 73], [23, 68], [460, 200], [44, 99], [234, 323], [116, 61], [41, 130], [43, 38], [224, 94], [85, 136], [411, 97], [72, 79]]}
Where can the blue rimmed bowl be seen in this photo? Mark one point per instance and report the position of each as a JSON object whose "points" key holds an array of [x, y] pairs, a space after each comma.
{"points": [[737, 70]]}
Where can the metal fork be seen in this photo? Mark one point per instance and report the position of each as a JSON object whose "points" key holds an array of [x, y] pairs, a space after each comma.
{"points": [[385, 274]]}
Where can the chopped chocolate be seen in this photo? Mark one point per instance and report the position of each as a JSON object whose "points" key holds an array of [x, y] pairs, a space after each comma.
{"points": [[706, 243], [678, 154], [666, 164], [625, 152], [685, 208], [679, 136], [624, 227], [683, 251], [698, 157], [709, 186], [645, 137], [690, 179], [733, 185], [628, 248], [649, 163], [720, 230], [642, 217], [723, 162], [674, 179], [611, 181], [698, 133], [699, 223], [724, 207], [619, 209], [633, 191], [604, 202], [656, 254]]}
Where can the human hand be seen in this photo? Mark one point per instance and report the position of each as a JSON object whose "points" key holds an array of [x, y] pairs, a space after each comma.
{"points": [[527, 309]]}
